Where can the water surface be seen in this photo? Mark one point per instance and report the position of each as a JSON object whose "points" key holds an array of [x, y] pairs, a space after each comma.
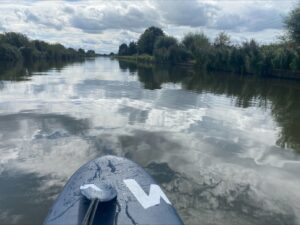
{"points": [[225, 148]]}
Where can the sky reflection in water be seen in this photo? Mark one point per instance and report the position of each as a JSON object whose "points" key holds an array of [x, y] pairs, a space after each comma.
{"points": [[224, 148]]}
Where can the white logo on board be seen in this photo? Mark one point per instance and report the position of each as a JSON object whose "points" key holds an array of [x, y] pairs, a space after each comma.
{"points": [[155, 194]]}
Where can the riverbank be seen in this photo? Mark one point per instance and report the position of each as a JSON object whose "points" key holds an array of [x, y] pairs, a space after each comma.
{"points": [[150, 60], [136, 58], [279, 59]]}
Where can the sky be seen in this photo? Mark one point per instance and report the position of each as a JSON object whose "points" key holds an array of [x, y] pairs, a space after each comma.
{"points": [[102, 25]]}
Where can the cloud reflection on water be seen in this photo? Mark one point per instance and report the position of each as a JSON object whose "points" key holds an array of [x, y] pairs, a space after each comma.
{"points": [[217, 162]]}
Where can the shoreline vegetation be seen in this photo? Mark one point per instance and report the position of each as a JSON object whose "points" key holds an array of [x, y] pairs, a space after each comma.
{"points": [[16, 47], [280, 59]]}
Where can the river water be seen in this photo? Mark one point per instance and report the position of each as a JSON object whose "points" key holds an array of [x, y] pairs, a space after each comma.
{"points": [[225, 148]]}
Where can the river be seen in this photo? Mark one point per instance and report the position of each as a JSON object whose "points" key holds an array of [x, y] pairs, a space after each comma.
{"points": [[225, 148]]}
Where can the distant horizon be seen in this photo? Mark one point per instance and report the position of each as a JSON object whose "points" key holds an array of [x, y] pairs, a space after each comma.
{"points": [[102, 25]]}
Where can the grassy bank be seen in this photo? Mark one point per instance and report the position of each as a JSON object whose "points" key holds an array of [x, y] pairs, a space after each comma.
{"points": [[151, 61], [136, 58], [148, 59]]}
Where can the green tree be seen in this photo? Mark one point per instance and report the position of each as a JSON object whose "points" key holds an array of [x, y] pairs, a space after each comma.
{"points": [[90, 53], [29, 53], [195, 42], [222, 40], [168, 50], [132, 48], [123, 49], [147, 40], [292, 23], [162, 48], [15, 39], [81, 52], [9, 53], [198, 44]]}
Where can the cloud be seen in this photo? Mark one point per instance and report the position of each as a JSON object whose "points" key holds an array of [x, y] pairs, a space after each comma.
{"points": [[229, 22], [105, 24], [254, 19], [2, 29], [47, 20], [128, 17], [186, 13]]}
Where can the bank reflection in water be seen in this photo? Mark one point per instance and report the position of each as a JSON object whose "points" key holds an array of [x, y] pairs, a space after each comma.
{"points": [[21, 71], [282, 96]]}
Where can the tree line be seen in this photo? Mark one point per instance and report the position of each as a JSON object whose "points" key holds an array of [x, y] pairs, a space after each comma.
{"points": [[221, 54], [17, 47]]}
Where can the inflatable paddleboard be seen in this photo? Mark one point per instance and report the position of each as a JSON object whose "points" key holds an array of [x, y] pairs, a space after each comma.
{"points": [[133, 197]]}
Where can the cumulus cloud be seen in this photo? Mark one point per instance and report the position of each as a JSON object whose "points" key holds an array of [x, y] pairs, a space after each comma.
{"points": [[130, 17], [47, 20], [254, 19], [103, 25], [2, 29], [186, 13]]}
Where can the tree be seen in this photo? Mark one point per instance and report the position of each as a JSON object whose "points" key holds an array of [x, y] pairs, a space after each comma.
{"points": [[132, 48], [29, 53], [222, 40], [123, 49], [195, 42], [9, 53], [81, 52], [147, 40], [90, 53], [198, 44], [15, 39], [167, 50], [41, 45], [292, 23]]}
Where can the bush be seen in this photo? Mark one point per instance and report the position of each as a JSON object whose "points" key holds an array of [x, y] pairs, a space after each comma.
{"points": [[165, 42], [145, 58], [161, 55], [178, 54]]}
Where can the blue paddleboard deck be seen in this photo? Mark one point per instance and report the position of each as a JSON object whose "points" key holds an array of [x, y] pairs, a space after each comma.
{"points": [[139, 199]]}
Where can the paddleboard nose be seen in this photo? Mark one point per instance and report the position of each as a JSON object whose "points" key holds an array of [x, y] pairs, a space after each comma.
{"points": [[112, 191]]}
